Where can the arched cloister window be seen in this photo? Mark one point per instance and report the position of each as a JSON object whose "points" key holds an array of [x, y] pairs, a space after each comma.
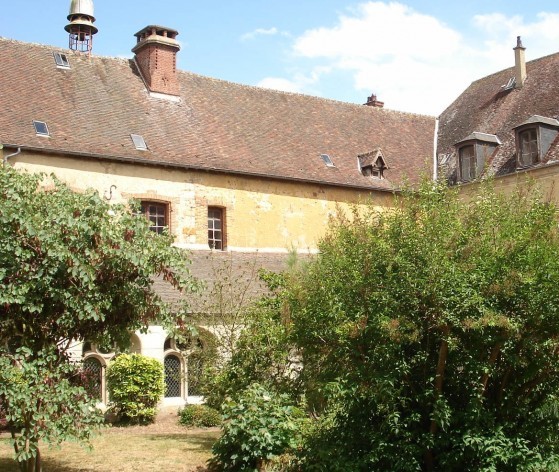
{"points": [[173, 376], [93, 372]]}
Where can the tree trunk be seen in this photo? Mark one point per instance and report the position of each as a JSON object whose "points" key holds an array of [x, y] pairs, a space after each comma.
{"points": [[492, 360], [439, 381]]}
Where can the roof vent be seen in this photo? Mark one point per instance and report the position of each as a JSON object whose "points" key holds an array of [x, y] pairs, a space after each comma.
{"points": [[81, 27], [139, 142]]}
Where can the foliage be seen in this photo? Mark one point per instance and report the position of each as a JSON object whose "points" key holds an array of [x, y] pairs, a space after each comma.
{"points": [[43, 403], [258, 426], [199, 416], [74, 267], [135, 385], [430, 336], [262, 353]]}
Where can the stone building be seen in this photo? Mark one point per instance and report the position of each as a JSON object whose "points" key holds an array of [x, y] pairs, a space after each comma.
{"points": [[242, 175], [233, 171]]}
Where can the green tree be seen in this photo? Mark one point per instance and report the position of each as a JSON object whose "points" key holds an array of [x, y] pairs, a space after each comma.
{"points": [[429, 336], [74, 267]]}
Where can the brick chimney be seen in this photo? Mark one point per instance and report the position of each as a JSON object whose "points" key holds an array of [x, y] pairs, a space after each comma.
{"points": [[373, 102], [519, 63], [156, 57]]}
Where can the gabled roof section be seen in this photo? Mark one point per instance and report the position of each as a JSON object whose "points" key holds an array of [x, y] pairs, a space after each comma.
{"points": [[216, 126], [375, 158], [482, 137], [539, 120], [484, 108]]}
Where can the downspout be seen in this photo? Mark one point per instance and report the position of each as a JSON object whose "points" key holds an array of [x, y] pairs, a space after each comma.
{"points": [[435, 142], [5, 160]]}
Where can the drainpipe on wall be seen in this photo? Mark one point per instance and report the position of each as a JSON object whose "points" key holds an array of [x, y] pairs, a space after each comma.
{"points": [[5, 160], [435, 161]]}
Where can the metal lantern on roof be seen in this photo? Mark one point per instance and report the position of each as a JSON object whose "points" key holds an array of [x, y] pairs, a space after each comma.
{"points": [[81, 28]]}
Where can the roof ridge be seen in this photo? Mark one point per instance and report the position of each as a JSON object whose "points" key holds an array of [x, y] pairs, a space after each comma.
{"points": [[62, 49], [537, 59], [237, 84], [304, 95]]}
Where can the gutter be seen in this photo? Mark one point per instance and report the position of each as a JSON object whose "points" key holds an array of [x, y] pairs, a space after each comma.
{"points": [[173, 165]]}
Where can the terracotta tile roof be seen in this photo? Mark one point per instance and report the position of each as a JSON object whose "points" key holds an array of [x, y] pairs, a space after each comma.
{"points": [[486, 107], [220, 126]]}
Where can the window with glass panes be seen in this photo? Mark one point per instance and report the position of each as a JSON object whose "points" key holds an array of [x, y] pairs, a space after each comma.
{"points": [[529, 154], [216, 231], [156, 213], [467, 163]]}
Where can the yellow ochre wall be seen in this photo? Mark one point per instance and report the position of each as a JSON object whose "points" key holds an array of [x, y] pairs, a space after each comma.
{"points": [[545, 179], [263, 214]]}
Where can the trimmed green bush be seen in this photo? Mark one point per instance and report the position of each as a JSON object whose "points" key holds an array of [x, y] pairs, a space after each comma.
{"points": [[135, 385], [258, 427], [200, 416]]}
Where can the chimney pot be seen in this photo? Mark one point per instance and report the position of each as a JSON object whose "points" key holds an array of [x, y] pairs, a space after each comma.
{"points": [[156, 56], [373, 102]]}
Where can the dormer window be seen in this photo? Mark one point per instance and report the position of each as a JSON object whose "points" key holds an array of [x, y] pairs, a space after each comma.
{"points": [[528, 147], [468, 167], [533, 139], [372, 164], [474, 152]]}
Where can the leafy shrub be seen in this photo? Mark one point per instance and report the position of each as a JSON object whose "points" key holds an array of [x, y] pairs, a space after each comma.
{"points": [[135, 385], [258, 426], [199, 416]]}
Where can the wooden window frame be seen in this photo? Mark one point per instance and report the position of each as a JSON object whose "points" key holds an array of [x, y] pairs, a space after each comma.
{"points": [[223, 230], [144, 205], [473, 174], [534, 159]]}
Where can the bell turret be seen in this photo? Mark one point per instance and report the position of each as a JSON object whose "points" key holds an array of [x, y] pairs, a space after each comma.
{"points": [[81, 27]]}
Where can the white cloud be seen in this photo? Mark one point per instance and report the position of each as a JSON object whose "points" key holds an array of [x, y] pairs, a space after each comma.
{"points": [[412, 61], [260, 32]]}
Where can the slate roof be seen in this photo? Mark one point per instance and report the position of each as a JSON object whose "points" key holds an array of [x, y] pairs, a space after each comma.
{"points": [[239, 272], [93, 108], [486, 107]]}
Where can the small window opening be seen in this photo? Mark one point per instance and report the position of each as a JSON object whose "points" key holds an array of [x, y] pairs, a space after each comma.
{"points": [[157, 215], [139, 142], [529, 154], [61, 60], [216, 229], [327, 160], [467, 163], [41, 128]]}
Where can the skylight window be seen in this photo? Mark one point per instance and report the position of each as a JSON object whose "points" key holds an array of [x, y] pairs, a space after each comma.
{"points": [[61, 60], [41, 128], [510, 84], [327, 160], [139, 142]]}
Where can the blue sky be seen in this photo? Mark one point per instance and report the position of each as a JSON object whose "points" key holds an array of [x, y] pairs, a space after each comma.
{"points": [[416, 55]]}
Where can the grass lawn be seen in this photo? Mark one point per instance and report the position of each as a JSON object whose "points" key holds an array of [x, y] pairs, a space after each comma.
{"points": [[159, 447]]}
